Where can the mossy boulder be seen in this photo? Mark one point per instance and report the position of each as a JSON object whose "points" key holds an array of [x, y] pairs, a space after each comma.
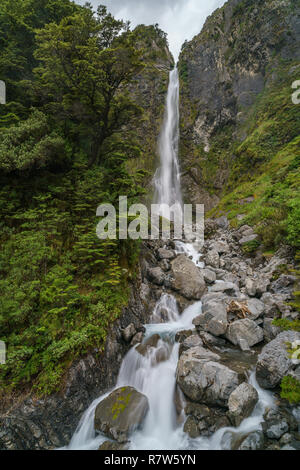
{"points": [[121, 413]]}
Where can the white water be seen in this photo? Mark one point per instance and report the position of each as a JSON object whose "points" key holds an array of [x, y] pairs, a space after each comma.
{"points": [[156, 379], [167, 176]]}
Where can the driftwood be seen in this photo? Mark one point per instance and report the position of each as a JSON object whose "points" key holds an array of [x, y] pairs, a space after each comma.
{"points": [[240, 309]]}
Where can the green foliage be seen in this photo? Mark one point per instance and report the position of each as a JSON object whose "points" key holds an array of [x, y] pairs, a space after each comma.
{"points": [[290, 389], [285, 324], [31, 144], [61, 287], [251, 247]]}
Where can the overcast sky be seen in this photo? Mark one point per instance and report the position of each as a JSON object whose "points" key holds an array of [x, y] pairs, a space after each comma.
{"points": [[181, 19]]}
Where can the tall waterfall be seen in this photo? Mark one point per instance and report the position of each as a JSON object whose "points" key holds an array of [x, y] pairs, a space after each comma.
{"points": [[167, 176]]}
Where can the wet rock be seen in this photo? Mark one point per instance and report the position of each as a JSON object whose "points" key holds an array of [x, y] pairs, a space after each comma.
{"points": [[151, 342], [191, 427], [121, 413], [213, 319], [129, 332], [241, 403], [212, 259], [203, 380], [244, 330], [182, 335], [156, 275], [203, 420], [138, 338], [274, 361], [187, 279]]}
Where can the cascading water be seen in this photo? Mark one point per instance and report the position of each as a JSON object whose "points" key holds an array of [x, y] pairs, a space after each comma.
{"points": [[153, 374], [167, 176]]}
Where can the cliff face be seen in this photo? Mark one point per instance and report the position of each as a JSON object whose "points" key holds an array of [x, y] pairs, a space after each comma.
{"points": [[246, 50]]}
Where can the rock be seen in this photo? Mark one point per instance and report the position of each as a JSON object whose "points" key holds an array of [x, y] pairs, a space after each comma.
{"points": [[275, 429], [222, 222], [253, 441], [209, 275], [121, 413], [204, 380], [274, 362], [241, 402], [243, 344], [256, 307], [129, 332], [220, 247], [156, 275], [110, 445], [211, 340], [144, 347], [270, 330], [138, 338], [163, 253], [212, 259], [227, 287], [248, 239], [283, 284], [244, 329], [190, 342], [203, 420], [187, 279], [191, 427], [213, 319], [165, 265], [182, 335], [286, 439], [261, 284], [250, 287]]}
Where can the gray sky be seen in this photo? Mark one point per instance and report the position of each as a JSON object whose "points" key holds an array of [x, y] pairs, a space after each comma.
{"points": [[181, 19]]}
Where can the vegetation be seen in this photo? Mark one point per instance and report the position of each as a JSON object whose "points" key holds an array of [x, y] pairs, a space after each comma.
{"points": [[66, 144], [290, 389]]}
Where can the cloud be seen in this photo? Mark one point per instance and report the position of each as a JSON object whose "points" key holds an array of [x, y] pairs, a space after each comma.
{"points": [[181, 19]]}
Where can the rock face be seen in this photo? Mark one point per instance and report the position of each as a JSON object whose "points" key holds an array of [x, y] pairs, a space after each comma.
{"points": [[274, 361], [223, 70], [246, 330], [187, 279], [204, 380], [241, 402], [121, 413]]}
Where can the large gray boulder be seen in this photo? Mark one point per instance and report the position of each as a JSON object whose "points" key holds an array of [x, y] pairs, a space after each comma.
{"points": [[203, 379], [121, 413], [213, 319], [222, 286], [187, 279], [241, 403], [274, 362], [212, 259], [244, 330]]}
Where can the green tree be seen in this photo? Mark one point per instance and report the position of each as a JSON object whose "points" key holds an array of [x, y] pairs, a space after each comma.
{"points": [[87, 62]]}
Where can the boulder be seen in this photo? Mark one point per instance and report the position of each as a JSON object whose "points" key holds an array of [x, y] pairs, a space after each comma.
{"points": [[248, 239], [121, 413], [227, 287], [274, 362], [244, 330], [253, 441], [256, 308], [283, 285], [241, 403], [156, 275], [213, 319], [212, 259], [250, 287], [275, 429], [270, 330], [129, 332], [187, 279], [190, 342], [163, 253], [220, 247], [209, 275], [204, 380]]}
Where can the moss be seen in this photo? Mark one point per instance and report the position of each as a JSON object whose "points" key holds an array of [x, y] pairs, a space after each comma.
{"points": [[290, 389], [121, 404]]}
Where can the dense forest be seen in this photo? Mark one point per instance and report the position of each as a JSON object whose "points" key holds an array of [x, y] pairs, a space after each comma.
{"points": [[66, 146]]}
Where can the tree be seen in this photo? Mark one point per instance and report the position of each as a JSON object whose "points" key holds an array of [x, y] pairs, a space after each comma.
{"points": [[87, 61]]}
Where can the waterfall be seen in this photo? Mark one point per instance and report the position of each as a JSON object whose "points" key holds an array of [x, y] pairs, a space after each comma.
{"points": [[167, 176]]}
